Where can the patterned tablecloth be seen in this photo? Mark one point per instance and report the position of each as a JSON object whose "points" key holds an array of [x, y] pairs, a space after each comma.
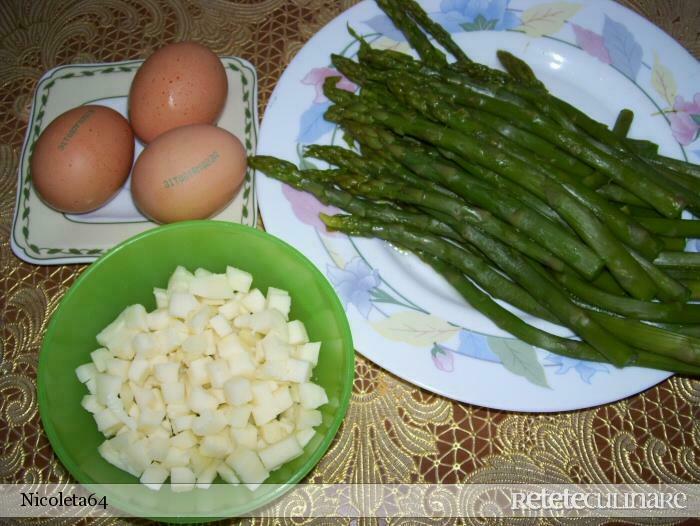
{"points": [[394, 432]]}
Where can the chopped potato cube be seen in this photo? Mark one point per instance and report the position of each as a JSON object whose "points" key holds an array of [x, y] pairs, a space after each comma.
{"points": [[277, 454], [213, 286], [297, 332], [181, 479], [247, 465], [240, 280], [154, 476]]}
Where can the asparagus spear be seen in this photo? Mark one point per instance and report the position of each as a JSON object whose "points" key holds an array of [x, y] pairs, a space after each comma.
{"points": [[521, 330], [629, 274], [632, 308], [459, 213], [413, 34], [516, 267], [415, 157], [625, 171], [288, 173]]}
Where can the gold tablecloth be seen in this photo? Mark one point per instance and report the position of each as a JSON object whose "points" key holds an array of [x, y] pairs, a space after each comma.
{"points": [[394, 432]]}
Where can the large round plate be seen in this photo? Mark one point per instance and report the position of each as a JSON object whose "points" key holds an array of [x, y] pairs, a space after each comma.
{"points": [[404, 317]]}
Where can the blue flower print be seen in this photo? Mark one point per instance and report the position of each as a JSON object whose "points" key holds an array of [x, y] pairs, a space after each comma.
{"points": [[585, 370], [354, 284], [476, 15]]}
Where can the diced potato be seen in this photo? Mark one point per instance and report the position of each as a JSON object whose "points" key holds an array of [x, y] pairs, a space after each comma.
{"points": [[139, 370], [87, 371], [220, 325], [238, 391], [108, 387], [308, 418], [247, 465], [184, 440], [273, 432], [209, 423], [283, 399], [162, 298], [199, 462], [154, 476], [206, 477], [277, 454], [91, 385], [126, 395], [304, 436], [240, 280], [181, 304], [280, 302], [195, 345], [311, 395], [176, 457], [174, 394], [298, 371], [144, 396], [227, 474], [136, 317], [180, 280], [240, 364], [158, 447], [213, 286], [229, 345], [166, 373], [174, 335], [254, 301], [218, 373], [216, 446], [111, 455], [246, 436], [137, 456], [275, 349], [218, 394], [239, 416], [107, 422], [276, 370], [150, 418], [197, 371], [248, 338], [181, 422], [200, 401], [242, 394], [308, 352], [199, 320], [262, 414], [99, 358], [181, 479], [90, 404], [297, 332], [230, 309], [202, 272], [144, 345]]}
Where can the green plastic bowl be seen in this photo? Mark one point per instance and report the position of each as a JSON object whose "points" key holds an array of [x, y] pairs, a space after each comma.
{"points": [[126, 275]]}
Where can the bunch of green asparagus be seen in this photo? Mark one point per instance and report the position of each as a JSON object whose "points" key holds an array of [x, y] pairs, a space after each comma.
{"points": [[512, 194]]}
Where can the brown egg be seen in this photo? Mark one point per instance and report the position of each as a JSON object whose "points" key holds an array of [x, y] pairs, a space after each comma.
{"points": [[191, 172], [180, 84], [82, 158]]}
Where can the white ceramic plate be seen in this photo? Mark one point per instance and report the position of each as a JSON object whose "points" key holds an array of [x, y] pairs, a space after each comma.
{"points": [[595, 54], [44, 236]]}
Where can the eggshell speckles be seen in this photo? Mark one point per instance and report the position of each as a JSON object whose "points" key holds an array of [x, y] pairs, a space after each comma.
{"points": [[180, 84], [82, 158], [191, 172]]}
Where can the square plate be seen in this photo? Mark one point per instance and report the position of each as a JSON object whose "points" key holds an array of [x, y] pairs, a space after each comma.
{"points": [[45, 236]]}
